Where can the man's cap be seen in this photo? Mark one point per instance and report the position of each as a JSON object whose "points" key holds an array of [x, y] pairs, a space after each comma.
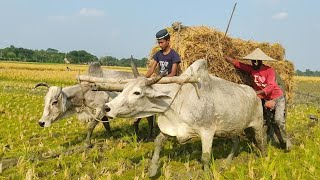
{"points": [[162, 34], [257, 54]]}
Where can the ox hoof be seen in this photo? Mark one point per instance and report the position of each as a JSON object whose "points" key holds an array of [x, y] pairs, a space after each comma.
{"points": [[263, 152], [221, 169], [88, 145], [139, 139], [108, 134], [206, 168], [207, 171], [288, 148], [153, 170], [150, 138]]}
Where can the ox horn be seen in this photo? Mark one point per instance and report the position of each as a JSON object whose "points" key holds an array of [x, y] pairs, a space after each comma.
{"points": [[134, 68], [156, 79], [41, 84]]}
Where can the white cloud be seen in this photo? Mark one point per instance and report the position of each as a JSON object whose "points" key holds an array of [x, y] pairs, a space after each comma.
{"points": [[280, 16], [91, 12]]}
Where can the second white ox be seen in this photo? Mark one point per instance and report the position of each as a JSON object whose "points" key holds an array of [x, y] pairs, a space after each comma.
{"points": [[213, 107], [60, 103]]}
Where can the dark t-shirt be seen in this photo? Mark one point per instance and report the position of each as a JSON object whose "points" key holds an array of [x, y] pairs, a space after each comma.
{"points": [[166, 61]]}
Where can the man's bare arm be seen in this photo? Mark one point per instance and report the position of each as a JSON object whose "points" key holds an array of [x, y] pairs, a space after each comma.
{"points": [[173, 70], [229, 59], [152, 68]]}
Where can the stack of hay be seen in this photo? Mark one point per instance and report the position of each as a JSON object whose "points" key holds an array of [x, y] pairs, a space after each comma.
{"points": [[193, 43]]}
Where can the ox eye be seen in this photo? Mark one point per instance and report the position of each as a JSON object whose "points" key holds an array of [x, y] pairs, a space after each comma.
{"points": [[137, 93], [55, 102]]}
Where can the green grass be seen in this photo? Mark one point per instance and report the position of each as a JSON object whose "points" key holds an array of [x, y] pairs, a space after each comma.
{"points": [[55, 152]]}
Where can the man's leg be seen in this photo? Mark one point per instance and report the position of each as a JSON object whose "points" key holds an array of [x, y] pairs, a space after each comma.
{"points": [[280, 124], [268, 118]]}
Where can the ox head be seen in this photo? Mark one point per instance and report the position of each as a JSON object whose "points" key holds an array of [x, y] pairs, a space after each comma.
{"points": [[138, 99], [55, 105]]}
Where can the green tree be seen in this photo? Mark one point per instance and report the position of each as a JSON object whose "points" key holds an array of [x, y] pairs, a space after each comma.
{"points": [[299, 73], [81, 57], [103, 60], [109, 61], [54, 56], [142, 62], [51, 50], [308, 72], [11, 55]]}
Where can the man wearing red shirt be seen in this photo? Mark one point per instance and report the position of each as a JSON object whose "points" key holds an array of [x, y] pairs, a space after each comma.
{"points": [[266, 87]]}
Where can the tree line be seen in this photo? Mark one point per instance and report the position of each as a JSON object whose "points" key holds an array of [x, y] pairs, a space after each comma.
{"points": [[307, 72], [82, 57], [126, 62], [54, 56]]}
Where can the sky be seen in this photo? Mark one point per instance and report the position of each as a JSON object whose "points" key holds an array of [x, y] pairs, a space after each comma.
{"points": [[123, 28]]}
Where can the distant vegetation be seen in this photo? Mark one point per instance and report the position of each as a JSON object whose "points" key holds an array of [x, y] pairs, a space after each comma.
{"points": [[126, 62], [307, 72], [82, 57], [54, 56]]}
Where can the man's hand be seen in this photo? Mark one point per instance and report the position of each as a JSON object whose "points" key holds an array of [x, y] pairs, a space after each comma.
{"points": [[229, 59], [260, 92]]}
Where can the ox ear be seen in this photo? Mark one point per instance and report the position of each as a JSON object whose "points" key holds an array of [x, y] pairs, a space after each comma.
{"points": [[151, 93]]}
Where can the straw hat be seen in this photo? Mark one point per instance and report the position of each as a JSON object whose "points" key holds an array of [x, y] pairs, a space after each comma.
{"points": [[257, 54]]}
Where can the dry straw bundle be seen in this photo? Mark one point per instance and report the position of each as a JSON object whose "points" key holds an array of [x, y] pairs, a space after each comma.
{"points": [[194, 43]]}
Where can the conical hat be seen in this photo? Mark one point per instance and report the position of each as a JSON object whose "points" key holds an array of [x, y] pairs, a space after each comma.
{"points": [[257, 54]]}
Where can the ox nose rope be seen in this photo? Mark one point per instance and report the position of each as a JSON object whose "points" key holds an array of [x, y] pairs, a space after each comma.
{"points": [[93, 116], [86, 108]]}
